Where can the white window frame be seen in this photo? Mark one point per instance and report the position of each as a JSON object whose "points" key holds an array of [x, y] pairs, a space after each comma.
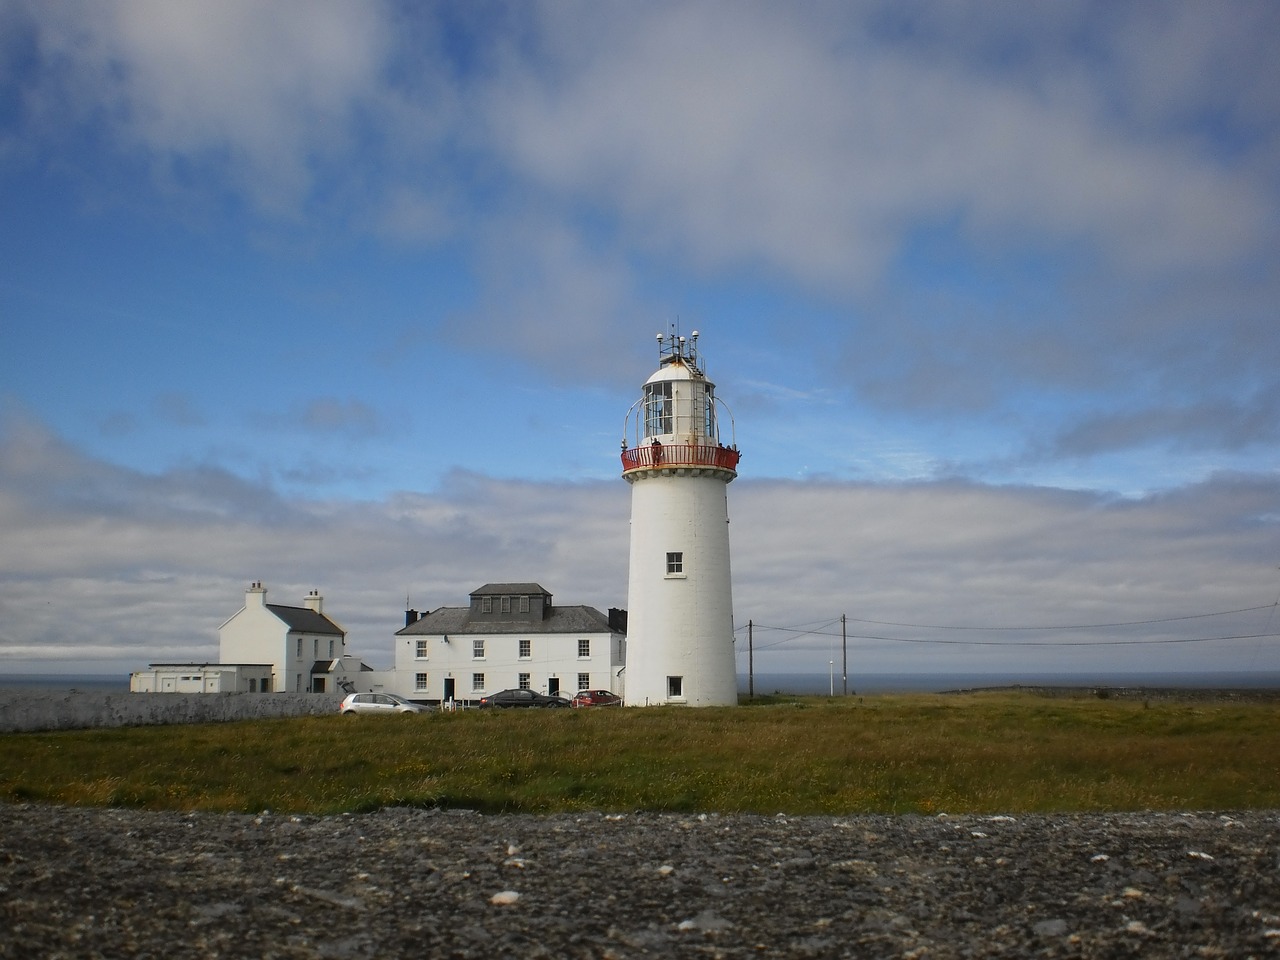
{"points": [[477, 648]]}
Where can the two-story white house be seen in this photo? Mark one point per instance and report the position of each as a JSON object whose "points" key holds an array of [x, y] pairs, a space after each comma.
{"points": [[510, 636], [306, 649]]}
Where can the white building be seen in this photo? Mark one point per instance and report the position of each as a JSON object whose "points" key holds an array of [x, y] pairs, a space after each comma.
{"points": [[510, 636], [202, 678], [307, 650], [679, 591]]}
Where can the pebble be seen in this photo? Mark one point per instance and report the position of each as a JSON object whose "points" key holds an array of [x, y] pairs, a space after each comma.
{"points": [[84, 882]]}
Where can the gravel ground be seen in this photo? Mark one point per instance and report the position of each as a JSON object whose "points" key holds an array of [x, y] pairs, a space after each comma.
{"points": [[424, 884]]}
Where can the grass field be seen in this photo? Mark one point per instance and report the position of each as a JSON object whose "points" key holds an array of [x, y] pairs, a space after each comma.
{"points": [[978, 753]]}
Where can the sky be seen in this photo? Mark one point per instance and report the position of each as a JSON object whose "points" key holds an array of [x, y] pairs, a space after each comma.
{"points": [[355, 296]]}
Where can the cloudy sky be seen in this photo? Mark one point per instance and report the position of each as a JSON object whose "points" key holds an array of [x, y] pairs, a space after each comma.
{"points": [[355, 296]]}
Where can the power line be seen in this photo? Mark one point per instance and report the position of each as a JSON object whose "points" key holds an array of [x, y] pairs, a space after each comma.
{"points": [[1069, 626], [1012, 643]]}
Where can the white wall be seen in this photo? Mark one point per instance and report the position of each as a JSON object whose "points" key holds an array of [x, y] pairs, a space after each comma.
{"points": [[680, 625], [551, 656]]}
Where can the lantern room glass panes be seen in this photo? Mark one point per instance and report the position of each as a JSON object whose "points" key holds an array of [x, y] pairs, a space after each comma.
{"points": [[657, 408]]}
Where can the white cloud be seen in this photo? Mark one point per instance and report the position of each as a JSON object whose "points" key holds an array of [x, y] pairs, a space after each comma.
{"points": [[129, 568], [258, 91]]}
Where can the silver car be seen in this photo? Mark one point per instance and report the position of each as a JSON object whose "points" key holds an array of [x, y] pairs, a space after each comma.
{"points": [[385, 703]]}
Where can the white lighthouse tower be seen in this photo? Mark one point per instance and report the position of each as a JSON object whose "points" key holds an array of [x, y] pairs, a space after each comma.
{"points": [[679, 593]]}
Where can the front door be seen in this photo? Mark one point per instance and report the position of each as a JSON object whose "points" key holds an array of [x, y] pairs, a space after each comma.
{"points": [[553, 686], [448, 689]]}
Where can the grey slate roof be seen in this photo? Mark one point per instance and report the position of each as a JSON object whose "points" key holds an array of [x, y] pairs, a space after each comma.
{"points": [[513, 589], [304, 619], [457, 620]]}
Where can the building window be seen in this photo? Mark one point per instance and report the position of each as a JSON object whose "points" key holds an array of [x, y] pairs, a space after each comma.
{"points": [[675, 564], [657, 408], [477, 682], [420, 649], [299, 646], [675, 688], [486, 604], [524, 604], [506, 604], [330, 649], [584, 648], [420, 681], [584, 681], [524, 681], [315, 649], [477, 649], [526, 649], [253, 684]]}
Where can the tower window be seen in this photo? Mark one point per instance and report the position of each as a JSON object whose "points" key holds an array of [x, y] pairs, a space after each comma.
{"points": [[675, 687], [675, 563], [657, 408]]}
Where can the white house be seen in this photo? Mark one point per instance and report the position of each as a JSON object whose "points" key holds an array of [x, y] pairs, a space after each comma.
{"points": [[510, 636], [307, 650]]}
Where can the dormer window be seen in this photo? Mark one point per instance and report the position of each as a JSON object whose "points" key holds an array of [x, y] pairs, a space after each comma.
{"points": [[524, 604]]}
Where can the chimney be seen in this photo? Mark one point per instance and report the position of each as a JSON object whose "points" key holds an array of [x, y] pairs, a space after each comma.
{"points": [[314, 601], [410, 617], [256, 595]]}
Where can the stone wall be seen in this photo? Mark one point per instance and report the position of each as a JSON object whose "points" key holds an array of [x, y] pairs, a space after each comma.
{"points": [[29, 710]]}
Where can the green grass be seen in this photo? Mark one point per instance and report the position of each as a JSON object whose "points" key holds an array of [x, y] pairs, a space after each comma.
{"points": [[981, 753]]}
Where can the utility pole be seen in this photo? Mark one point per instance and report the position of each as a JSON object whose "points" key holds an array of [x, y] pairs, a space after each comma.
{"points": [[844, 648], [751, 663]]}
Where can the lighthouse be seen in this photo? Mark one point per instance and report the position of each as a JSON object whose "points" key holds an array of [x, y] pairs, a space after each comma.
{"points": [[679, 592]]}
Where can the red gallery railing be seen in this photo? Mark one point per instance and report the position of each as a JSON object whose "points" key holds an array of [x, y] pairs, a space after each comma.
{"points": [[655, 455]]}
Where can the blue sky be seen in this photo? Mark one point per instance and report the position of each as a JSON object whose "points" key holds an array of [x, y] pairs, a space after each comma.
{"points": [[355, 296]]}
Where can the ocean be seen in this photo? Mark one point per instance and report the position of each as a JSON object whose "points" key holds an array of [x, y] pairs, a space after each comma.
{"points": [[871, 683]]}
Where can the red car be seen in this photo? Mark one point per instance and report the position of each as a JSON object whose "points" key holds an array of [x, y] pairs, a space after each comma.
{"points": [[596, 698]]}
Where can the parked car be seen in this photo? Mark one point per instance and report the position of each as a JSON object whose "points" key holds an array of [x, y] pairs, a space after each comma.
{"points": [[596, 698], [522, 698], [385, 703]]}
